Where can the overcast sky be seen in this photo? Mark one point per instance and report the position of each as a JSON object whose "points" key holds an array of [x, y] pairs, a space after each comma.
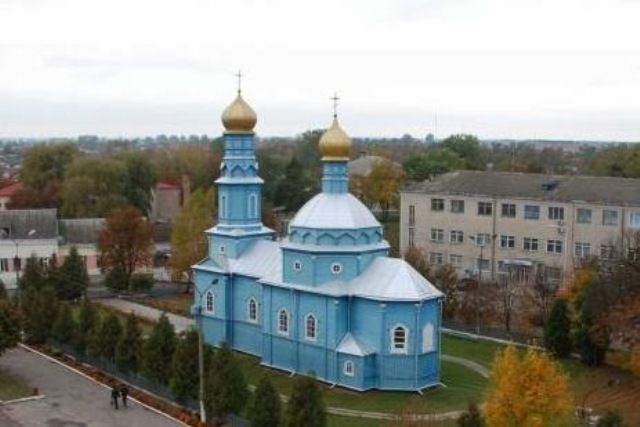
{"points": [[556, 69]]}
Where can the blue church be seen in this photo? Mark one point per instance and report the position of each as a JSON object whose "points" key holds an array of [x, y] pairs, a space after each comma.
{"points": [[327, 298]]}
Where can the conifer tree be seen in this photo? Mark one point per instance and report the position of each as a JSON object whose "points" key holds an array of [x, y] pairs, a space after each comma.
{"points": [[9, 325], [264, 410], [39, 310], [557, 331], [32, 276], [87, 318], [74, 279], [611, 418], [64, 326], [184, 373], [471, 417], [129, 347], [157, 351], [110, 333], [227, 390], [306, 406], [116, 279], [94, 338], [3, 291]]}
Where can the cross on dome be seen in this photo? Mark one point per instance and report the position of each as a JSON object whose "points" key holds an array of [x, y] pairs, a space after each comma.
{"points": [[239, 76], [335, 100]]}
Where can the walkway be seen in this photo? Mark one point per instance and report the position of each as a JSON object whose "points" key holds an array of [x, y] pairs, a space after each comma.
{"points": [[181, 323], [71, 400]]}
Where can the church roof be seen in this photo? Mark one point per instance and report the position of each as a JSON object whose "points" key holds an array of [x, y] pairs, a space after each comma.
{"points": [[334, 211], [263, 258], [350, 345]]}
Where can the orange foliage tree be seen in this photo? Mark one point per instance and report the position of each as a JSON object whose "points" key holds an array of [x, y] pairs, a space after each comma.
{"points": [[526, 390], [126, 240]]}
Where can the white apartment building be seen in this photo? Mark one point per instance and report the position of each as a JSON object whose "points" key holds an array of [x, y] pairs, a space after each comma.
{"points": [[489, 223]]}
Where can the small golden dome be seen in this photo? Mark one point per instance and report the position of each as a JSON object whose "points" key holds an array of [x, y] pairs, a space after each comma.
{"points": [[239, 116], [335, 143]]}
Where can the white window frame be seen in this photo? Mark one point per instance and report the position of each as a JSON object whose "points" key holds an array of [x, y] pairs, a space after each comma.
{"points": [[460, 204], [297, 266], [283, 326], [348, 368], [404, 348], [485, 208], [437, 235], [456, 260], [531, 241], [412, 215], [252, 208], [614, 214], [336, 268], [485, 240], [4, 265], [314, 326], [456, 237], [507, 241], [556, 213], [586, 212], [509, 213], [209, 302], [252, 305], [556, 244], [634, 219], [433, 256], [412, 237], [437, 205], [532, 208], [582, 250]]}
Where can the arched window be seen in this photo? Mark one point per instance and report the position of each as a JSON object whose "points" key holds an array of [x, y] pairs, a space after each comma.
{"points": [[348, 368], [223, 203], [252, 310], [209, 305], [283, 321], [310, 327], [428, 342], [252, 207], [399, 336]]}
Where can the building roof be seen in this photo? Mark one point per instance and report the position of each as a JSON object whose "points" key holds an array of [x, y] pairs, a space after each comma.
{"points": [[29, 224], [80, 230], [339, 211], [559, 188], [351, 345], [167, 186], [10, 189], [263, 258]]}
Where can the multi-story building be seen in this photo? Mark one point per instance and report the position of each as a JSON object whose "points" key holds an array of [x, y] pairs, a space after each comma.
{"points": [[488, 223]]}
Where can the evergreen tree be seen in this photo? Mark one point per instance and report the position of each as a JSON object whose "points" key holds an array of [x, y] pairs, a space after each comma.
{"points": [[294, 189], [54, 279], [129, 347], [611, 418], [3, 291], [471, 417], [264, 410], [557, 331], [39, 309], [110, 333], [94, 338], [227, 391], [9, 325], [116, 279], [87, 318], [64, 326], [306, 406], [32, 276], [74, 276], [185, 375], [157, 351]]}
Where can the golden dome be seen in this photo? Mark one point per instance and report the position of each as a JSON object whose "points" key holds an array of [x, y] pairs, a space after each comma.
{"points": [[335, 143], [239, 116]]}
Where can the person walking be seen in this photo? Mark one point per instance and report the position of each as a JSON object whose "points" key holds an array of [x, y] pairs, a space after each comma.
{"points": [[124, 392], [115, 394]]}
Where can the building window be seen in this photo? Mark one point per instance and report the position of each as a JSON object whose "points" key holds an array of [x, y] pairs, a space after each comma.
{"points": [[583, 250], [399, 339], [412, 215], [336, 268], [607, 251], [634, 219], [209, 305], [437, 205], [253, 206], [436, 258], [17, 263], [348, 368], [556, 213], [224, 206], [428, 341], [455, 260], [483, 239], [4, 264], [583, 216], [530, 244], [531, 212], [457, 206], [507, 242], [508, 210], [297, 265], [283, 321], [554, 246], [222, 249], [252, 310], [437, 235], [553, 274], [412, 236], [485, 208], [609, 217], [456, 236], [482, 264], [310, 327]]}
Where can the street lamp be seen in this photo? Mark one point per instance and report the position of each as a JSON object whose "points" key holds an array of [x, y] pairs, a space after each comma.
{"points": [[203, 417]]}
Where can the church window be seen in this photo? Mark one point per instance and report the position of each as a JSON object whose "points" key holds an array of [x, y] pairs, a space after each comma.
{"points": [[427, 338], [222, 249], [310, 327], [252, 310], [336, 268], [224, 206], [209, 302], [297, 265], [399, 339], [348, 368], [283, 322], [253, 206]]}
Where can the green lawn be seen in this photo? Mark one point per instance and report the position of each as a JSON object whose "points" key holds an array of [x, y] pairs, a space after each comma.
{"points": [[13, 387]]}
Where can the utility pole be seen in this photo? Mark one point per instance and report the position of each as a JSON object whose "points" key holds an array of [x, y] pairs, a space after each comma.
{"points": [[203, 415]]}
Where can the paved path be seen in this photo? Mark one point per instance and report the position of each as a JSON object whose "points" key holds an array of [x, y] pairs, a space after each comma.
{"points": [[70, 399], [467, 363], [181, 323]]}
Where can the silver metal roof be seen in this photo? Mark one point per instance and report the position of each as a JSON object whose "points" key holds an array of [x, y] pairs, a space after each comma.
{"points": [[341, 211]]}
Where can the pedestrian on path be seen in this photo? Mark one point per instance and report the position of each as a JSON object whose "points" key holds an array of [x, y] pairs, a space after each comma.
{"points": [[124, 392], [115, 394]]}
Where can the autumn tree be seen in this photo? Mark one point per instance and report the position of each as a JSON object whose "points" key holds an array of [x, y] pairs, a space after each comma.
{"points": [[381, 186], [446, 279], [416, 258], [526, 390], [126, 240], [188, 240]]}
